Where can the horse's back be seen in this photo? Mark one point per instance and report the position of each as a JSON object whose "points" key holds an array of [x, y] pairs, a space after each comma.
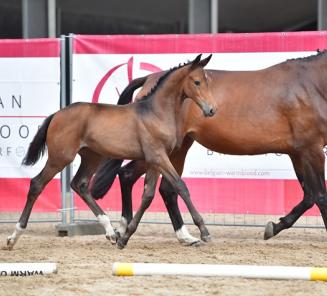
{"points": [[272, 109]]}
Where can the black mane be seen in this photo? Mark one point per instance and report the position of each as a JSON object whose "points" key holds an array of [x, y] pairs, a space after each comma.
{"points": [[311, 57], [161, 80]]}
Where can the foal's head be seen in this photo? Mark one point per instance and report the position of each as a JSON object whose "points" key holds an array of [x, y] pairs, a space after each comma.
{"points": [[195, 85]]}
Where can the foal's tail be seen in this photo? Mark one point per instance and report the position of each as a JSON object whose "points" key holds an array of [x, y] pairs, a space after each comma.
{"points": [[107, 171], [37, 146]]}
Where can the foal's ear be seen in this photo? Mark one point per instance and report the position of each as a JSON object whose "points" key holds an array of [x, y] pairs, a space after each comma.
{"points": [[205, 61], [195, 62]]}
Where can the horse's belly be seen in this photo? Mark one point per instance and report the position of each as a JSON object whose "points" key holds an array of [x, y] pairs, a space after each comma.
{"points": [[242, 144]]}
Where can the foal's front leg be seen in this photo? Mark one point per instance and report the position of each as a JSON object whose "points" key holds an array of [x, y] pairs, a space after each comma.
{"points": [[169, 172], [151, 178]]}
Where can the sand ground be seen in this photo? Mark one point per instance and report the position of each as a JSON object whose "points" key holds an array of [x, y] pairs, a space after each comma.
{"points": [[85, 262]]}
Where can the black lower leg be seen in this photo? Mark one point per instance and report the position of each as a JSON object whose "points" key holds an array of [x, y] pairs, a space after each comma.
{"points": [[169, 196], [35, 189], [197, 218], [322, 205], [294, 215], [128, 175]]}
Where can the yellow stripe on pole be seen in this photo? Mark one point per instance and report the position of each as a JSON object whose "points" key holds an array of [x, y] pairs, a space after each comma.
{"points": [[243, 271], [123, 269], [318, 274]]}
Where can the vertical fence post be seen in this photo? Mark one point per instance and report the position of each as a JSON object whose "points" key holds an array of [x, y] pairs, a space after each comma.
{"points": [[69, 88], [63, 105], [65, 100]]}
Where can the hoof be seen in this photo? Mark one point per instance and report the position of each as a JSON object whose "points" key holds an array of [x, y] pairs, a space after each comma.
{"points": [[10, 244], [197, 244], [118, 235], [269, 230], [112, 238], [120, 244], [206, 238]]}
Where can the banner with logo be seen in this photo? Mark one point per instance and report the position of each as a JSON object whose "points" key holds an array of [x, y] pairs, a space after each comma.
{"points": [[29, 92], [263, 184]]}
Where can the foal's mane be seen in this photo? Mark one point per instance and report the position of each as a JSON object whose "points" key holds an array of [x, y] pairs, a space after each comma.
{"points": [[310, 58], [161, 80]]}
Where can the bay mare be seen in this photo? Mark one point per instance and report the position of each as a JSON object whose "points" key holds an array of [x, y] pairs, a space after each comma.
{"points": [[144, 130], [280, 109]]}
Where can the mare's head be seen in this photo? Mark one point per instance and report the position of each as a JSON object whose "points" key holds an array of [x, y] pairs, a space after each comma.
{"points": [[195, 85]]}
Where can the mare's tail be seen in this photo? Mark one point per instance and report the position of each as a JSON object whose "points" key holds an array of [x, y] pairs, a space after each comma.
{"points": [[107, 171], [37, 146], [104, 177], [127, 95]]}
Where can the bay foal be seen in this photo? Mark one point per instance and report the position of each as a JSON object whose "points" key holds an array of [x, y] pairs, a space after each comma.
{"points": [[145, 130]]}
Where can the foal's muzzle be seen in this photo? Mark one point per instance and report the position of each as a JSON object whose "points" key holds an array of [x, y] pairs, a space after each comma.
{"points": [[208, 111]]}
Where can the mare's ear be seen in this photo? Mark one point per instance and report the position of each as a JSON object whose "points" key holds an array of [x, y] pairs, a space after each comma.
{"points": [[195, 62], [205, 61]]}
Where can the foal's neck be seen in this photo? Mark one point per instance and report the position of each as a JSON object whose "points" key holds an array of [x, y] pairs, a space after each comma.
{"points": [[167, 99]]}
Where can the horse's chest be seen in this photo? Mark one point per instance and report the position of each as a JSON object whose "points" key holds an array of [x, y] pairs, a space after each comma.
{"points": [[168, 139]]}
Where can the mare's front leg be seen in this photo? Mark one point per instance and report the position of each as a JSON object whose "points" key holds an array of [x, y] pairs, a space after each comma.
{"points": [[150, 182], [129, 174], [80, 184]]}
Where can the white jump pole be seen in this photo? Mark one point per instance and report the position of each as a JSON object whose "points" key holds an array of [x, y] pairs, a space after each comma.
{"points": [[27, 269], [244, 271]]}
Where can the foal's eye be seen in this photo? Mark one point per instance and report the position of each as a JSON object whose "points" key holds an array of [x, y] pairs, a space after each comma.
{"points": [[197, 82]]}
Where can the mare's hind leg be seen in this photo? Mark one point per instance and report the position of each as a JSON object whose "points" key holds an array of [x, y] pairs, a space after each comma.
{"points": [[36, 187], [150, 182], [80, 184], [128, 175], [309, 169]]}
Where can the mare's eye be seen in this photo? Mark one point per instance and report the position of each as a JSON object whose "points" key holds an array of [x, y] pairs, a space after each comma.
{"points": [[197, 82]]}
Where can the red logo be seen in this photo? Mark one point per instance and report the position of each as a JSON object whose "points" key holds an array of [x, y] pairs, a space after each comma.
{"points": [[130, 64]]}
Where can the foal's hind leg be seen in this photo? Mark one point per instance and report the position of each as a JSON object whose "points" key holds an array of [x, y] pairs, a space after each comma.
{"points": [[80, 184], [36, 187], [309, 169], [150, 182]]}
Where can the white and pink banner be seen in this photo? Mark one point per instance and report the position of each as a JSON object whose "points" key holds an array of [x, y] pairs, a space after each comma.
{"points": [[29, 92], [264, 184]]}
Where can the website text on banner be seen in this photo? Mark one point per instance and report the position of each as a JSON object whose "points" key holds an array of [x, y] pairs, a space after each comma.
{"points": [[263, 184], [30, 91]]}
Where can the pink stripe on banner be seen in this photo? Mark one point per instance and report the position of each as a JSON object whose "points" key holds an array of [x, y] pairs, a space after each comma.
{"points": [[225, 196], [23, 116], [200, 43], [27, 48], [13, 192]]}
